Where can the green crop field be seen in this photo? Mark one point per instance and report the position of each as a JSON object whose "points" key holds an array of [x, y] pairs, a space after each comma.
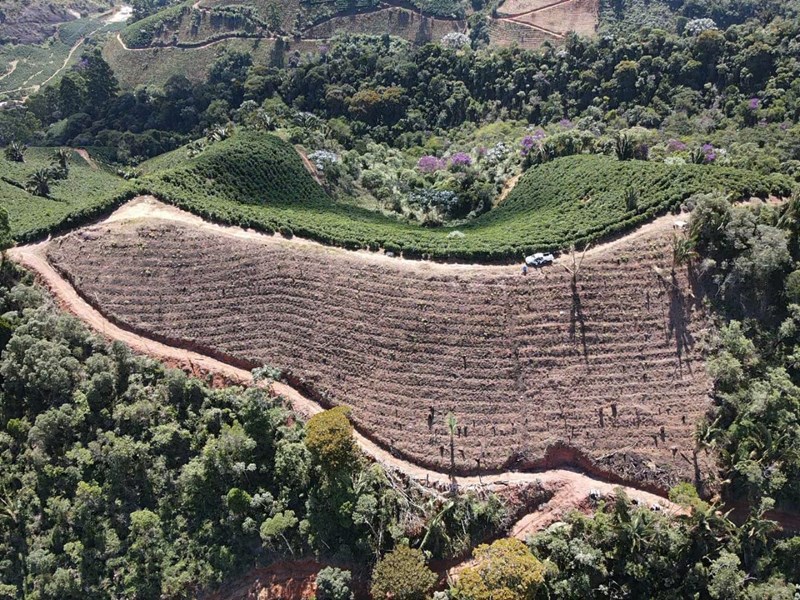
{"points": [[25, 67], [259, 181], [86, 192]]}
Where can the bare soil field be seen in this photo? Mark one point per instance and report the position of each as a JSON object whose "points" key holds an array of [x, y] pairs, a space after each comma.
{"points": [[607, 379], [396, 21], [505, 32], [511, 8], [529, 23], [580, 16]]}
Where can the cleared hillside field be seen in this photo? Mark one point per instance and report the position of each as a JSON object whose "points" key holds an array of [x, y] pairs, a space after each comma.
{"points": [[580, 16], [154, 66], [510, 8], [607, 378], [259, 181], [529, 23], [395, 21]]}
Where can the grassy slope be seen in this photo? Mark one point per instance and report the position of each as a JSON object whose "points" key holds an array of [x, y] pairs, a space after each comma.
{"points": [[259, 181], [84, 192], [154, 66]]}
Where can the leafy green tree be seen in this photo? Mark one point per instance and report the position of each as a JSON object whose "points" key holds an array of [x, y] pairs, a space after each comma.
{"points": [[402, 575], [279, 528], [101, 83], [6, 241], [329, 437], [727, 579], [71, 94], [144, 557], [334, 584], [505, 569]]}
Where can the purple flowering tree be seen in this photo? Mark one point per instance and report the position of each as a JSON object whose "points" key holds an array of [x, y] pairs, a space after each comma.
{"points": [[429, 164], [527, 143], [460, 160], [676, 146]]}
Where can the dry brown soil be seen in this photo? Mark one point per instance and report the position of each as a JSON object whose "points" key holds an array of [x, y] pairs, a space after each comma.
{"points": [[529, 23], [607, 379]]}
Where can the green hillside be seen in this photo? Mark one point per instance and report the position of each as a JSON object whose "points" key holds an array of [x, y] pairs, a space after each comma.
{"points": [[87, 191], [259, 181]]}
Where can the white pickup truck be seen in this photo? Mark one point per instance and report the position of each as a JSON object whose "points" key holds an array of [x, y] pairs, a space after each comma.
{"points": [[539, 259]]}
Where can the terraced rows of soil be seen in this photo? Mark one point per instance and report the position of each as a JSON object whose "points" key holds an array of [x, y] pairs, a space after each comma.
{"points": [[607, 378], [529, 23], [395, 21], [580, 16], [504, 32]]}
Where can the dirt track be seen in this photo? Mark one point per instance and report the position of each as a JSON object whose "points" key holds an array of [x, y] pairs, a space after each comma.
{"points": [[571, 489], [604, 379]]}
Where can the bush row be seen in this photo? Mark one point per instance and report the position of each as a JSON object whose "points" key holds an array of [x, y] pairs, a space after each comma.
{"points": [[259, 181]]}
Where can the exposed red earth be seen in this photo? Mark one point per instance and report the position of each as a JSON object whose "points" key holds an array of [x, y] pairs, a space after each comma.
{"points": [[607, 379], [529, 23]]}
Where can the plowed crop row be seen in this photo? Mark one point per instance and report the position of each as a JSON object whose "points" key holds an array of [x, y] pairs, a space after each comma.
{"points": [[534, 374], [506, 33], [580, 16]]}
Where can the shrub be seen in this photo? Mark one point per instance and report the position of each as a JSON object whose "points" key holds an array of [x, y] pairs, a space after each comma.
{"points": [[402, 575], [792, 286], [334, 584], [329, 437], [506, 569]]}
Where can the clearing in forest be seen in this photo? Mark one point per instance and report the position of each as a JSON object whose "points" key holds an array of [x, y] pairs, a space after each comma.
{"points": [[528, 23], [537, 372]]}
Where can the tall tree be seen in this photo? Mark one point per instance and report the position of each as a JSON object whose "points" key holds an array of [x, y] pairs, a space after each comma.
{"points": [[101, 83]]}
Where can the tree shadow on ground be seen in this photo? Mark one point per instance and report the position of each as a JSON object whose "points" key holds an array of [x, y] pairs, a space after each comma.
{"points": [[680, 305], [577, 321]]}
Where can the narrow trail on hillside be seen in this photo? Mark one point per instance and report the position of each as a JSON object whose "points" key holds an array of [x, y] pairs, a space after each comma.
{"points": [[12, 66], [32, 89], [525, 13], [85, 156], [201, 45]]}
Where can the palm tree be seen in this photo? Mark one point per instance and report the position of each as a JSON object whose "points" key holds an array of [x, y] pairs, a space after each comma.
{"points": [[61, 163], [452, 424], [39, 182], [219, 133], [263, 120], [683, 252], [15, 152], [623, 146]]}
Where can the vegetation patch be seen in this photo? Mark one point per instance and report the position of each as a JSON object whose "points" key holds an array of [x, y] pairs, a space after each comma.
{"points": [[86, 191], [259, 181]]}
